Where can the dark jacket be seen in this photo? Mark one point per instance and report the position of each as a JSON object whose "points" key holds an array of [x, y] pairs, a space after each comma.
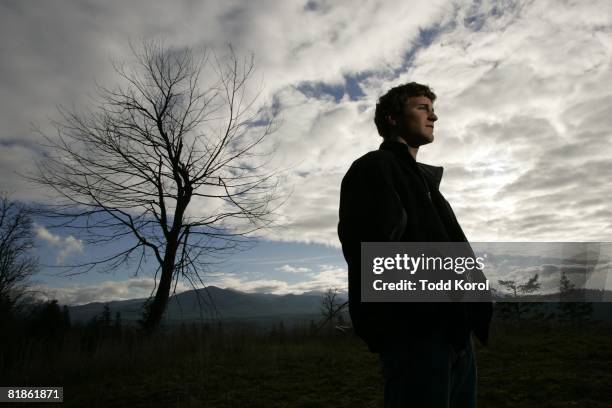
{"points": [[387, 196]]}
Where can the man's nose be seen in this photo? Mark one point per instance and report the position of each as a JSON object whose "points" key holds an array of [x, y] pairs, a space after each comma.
{"points": [[433, 117]]}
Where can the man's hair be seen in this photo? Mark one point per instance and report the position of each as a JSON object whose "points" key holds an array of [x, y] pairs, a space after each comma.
{"points": [[392, 104]]}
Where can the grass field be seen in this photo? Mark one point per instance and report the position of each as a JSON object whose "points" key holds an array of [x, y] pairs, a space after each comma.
{"points": [[527, 366]]}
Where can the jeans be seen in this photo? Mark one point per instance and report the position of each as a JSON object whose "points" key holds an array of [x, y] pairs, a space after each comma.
{"points": [[430, 374]]}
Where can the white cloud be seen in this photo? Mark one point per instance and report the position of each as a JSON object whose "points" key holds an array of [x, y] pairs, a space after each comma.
{"points": [[46, 235], [133, 288], [524, 96], [293, 269], [325, 279], [72, 245], [329, 277], [67, 245], [514, 114], [522, 123]]}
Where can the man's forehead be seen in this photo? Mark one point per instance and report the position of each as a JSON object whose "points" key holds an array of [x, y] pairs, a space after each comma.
{"points": [[418, 100]]}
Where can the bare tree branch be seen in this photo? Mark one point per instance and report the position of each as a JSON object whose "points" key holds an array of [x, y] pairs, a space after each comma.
{"points": [[17, 263], [148, 163]]}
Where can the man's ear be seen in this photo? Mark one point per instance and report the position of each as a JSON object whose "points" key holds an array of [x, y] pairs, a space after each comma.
{"points": [[390, 120]]}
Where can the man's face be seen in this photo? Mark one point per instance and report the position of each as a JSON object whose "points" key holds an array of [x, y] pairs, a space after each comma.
{"points": [[416, 123]]}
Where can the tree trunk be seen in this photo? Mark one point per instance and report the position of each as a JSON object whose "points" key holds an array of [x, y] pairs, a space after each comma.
{"points": [[155, 310]]}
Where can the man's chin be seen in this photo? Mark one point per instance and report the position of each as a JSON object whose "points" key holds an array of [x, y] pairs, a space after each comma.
{"points": [[419, 140], [426, 137]]}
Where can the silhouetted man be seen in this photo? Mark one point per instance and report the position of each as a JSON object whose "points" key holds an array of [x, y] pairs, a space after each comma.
{"points": [[425, 348]]}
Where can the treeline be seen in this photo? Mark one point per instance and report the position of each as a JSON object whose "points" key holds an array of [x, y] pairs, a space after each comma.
{"points": [[42, 338], [572, 308], [563, 313]]}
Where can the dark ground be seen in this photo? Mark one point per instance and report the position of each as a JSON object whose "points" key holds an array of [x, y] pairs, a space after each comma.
{"points": [[534, 365]]}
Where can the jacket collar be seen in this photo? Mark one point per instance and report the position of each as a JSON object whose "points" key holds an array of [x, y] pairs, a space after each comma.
{"points": [[433, 174]]}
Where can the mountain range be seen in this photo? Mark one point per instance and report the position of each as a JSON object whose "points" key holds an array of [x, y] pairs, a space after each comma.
{"points": [[212, 304], [228, 305]]}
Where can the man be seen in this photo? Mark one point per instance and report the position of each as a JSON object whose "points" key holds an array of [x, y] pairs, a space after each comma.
{"points": [[425, 348]]}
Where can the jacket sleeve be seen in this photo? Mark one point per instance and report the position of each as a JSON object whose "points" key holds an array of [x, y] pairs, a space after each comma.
{"points": [[370, 211]]}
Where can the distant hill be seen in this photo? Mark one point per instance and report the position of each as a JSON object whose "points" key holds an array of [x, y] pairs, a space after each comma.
{"points": [[229, 305], [261, 309]]}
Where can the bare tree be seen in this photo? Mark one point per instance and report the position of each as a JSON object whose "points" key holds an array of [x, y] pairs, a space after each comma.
{"points": [[331, 309], [17, 263], [176, 170]]}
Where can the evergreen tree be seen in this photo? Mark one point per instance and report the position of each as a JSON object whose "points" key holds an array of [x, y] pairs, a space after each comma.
{"points": [[281, 330], [514, 308], [106, 316], [118, 319], [47, 320], [572, 306], [312, 328], [66, 317]]}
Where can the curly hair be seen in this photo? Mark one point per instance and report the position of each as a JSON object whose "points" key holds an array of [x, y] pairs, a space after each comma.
{"points": [[392, 103]]}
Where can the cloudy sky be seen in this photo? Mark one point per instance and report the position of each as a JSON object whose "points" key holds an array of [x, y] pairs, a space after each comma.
{"points": [[524, 100]]}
